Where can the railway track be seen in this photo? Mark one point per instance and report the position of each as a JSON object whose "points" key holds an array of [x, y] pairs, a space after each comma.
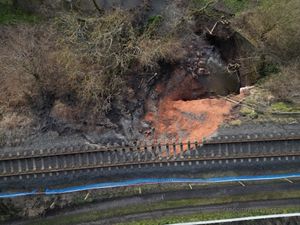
{"points": [[230, 149]]}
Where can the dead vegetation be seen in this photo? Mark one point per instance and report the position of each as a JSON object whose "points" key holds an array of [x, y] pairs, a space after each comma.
{"points": [[274, 27], [30, 54], [285, 85], [82, 62], [100, 51], [77, 66]]}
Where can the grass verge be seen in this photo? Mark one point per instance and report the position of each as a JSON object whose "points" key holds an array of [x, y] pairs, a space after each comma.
{"points": [[213, 216], [134, 209]]}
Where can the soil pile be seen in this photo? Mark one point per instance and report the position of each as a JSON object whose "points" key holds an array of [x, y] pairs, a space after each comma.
{"points": [[188, 120]]}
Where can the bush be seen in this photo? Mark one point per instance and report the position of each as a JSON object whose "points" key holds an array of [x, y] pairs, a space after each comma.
{"points": [[267, 67], [236, 123], [247, 112], [31, 68], [274, 27], [102, 50], [81, 61], [285, 85]]}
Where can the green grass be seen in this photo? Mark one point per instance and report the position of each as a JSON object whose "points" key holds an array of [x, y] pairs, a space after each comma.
{"points": [[235, 122], [237, 5], [213, 216], [284, 107], [133, 209], [248, 112], [9, 15]]}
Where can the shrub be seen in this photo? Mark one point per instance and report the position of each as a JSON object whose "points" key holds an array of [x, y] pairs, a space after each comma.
{"points": [[81, 61], [102, 50], [268, 67], [152, 51], [250, 113], [29, 54], [274, 27], [236, 122], [285, 85]]}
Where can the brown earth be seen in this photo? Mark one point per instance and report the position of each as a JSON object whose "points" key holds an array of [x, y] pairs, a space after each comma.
{"points": [[188, 120]]}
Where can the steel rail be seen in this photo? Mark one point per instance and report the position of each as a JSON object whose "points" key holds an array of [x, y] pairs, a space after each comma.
{"points": [[94, 149], [154, 162], [236, 140]]}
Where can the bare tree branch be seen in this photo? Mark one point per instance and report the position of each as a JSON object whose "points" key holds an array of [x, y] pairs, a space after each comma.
{"points": [[97, 7]]}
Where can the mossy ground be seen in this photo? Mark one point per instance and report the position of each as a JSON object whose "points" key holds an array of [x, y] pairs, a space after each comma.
{"points": [[9, 15], [285, 107]]}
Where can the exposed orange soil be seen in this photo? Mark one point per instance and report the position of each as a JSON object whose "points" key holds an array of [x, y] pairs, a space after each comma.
{"points": [[188, 120]]}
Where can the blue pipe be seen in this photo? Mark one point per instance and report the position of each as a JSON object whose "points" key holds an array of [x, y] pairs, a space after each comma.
{"points": [[143, 181], [18, 194]]}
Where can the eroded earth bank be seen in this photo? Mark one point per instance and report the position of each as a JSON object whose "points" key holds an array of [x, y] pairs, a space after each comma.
{"points": [[163, 80], [134, 72]]}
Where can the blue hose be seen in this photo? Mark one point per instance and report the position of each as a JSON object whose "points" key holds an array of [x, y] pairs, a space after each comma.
{"points": [[144, 181]]}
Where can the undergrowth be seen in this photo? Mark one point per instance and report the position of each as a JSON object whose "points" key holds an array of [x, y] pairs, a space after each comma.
{"points": [[82, 61], [273, 27], [99, 52]]}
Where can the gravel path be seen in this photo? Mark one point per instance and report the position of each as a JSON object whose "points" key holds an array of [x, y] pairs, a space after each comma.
{"points": [[53, 139], [259, 129]]}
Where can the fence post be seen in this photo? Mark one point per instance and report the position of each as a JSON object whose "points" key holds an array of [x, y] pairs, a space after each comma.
{"points": [[124, 152], [130, 151], [196, 149], [203, 140], [159, 151], [181, 149], [109, 153], [146, 151], [116, 150], [138, 150], [101, 157], [153, 151], [174, 150], [167, 150], [189, 149]]}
